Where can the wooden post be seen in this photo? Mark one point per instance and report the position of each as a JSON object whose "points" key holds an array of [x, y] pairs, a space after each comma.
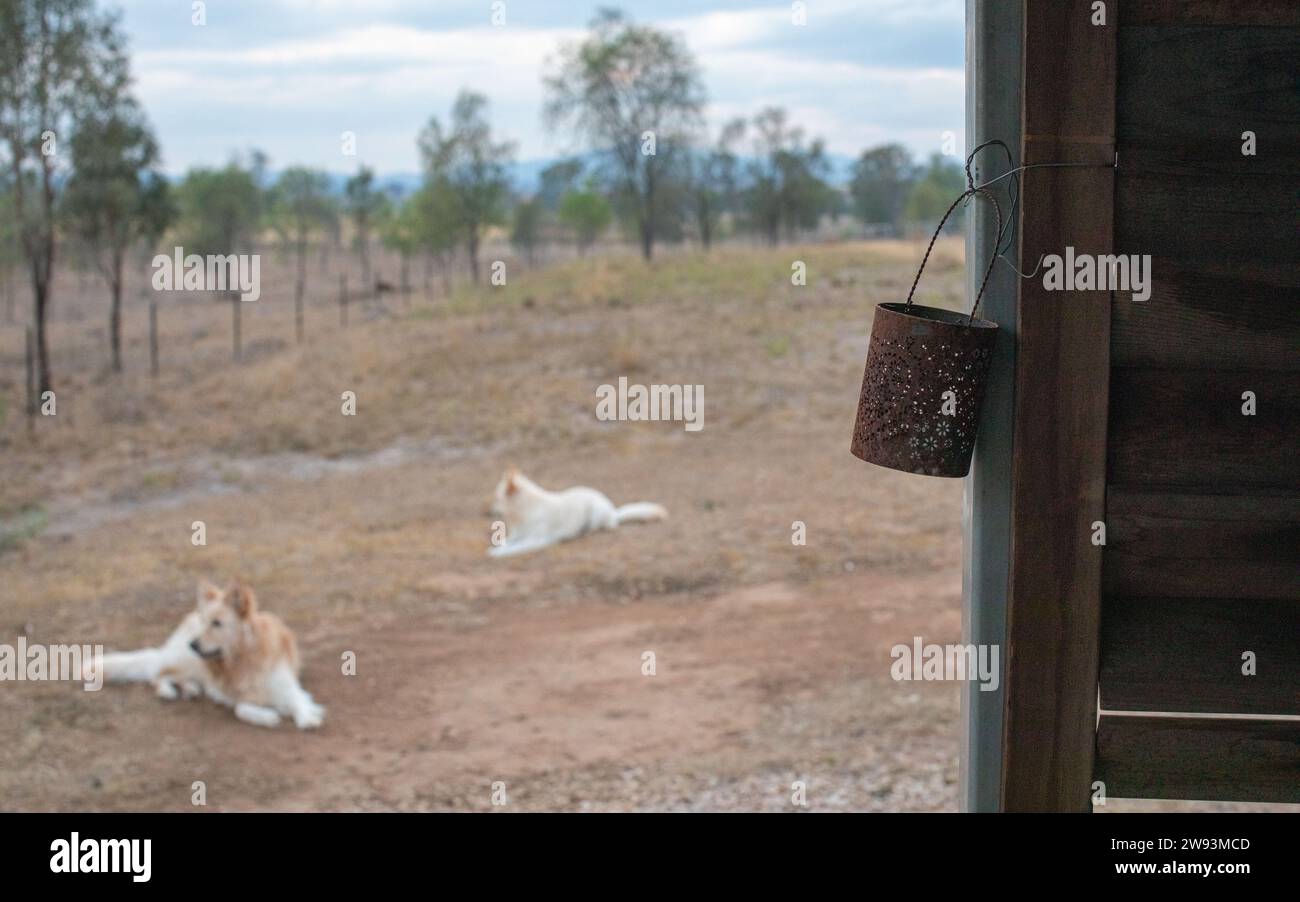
{"points": [[30, 373], [343, 300], [235, 315], [153, 338], [1058, 476], [297, 313]]}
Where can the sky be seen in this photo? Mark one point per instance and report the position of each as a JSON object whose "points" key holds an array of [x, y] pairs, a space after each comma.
{"points": [[289, 77]]}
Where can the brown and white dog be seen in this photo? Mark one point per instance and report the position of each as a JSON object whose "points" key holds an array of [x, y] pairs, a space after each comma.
{"points": [[231, 652], [535, 518]]}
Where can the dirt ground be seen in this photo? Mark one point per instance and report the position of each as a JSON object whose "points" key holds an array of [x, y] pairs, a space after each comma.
{"points": [[367, 534]]}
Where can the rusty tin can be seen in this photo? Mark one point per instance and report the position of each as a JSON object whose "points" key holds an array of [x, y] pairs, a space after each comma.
{"points": [[922, 389]]}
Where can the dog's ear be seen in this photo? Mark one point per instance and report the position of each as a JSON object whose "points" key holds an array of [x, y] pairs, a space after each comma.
{"points": [[241, 598], [207, 592], [511, 485]]}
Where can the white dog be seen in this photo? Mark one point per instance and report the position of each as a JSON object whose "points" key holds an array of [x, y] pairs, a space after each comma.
{"points": [[535, 518], [231, 652]]}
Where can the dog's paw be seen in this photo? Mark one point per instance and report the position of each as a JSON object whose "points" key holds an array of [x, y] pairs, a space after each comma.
{"points": [[166, 690], [257, 715], [309, 717]]}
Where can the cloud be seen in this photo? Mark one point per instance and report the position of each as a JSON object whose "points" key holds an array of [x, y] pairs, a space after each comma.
{"points": [[291, 76]]}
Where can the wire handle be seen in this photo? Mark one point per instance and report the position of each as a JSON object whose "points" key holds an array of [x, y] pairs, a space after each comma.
{"points": [[970, 192], [1013, 191]]}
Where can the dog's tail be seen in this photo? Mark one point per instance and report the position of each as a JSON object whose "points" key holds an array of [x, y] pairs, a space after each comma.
{"points": [[131, 666], [640, 512]]}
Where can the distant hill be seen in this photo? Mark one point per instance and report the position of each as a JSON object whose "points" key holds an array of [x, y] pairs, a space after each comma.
{"points": [[525, 175]]}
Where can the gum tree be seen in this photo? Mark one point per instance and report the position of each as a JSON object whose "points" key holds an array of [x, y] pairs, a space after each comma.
{"points": [[587, 214], [787, 187], [301, 206], [882, 178], [465, 164], [116, 198], [48, 55], [635, 93], [365, 205], [715, 180]]}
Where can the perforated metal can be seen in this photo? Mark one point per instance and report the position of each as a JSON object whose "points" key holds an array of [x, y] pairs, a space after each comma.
{"points": [[922, 389]]}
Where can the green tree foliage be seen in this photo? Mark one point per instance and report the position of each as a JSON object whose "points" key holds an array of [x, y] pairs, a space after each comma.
{"points": [[400, 231], [438, 227], [587, 214], [938, 186], [787, 178], [220, 210], [469, 168], [116, 197], [301, 206], [557, 180], [365, 206], [714, 178], [526, 227], [630, 89], [54, 55], [882, 180]]}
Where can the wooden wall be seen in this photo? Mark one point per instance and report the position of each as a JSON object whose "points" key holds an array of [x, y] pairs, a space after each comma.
{"points": [[1202, 561]]}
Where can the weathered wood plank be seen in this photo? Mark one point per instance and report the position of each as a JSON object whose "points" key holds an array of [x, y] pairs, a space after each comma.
{"points": [[1058, 474], [1209, 12], [1186, 428], [1192, 218], [1202, 545], [1212, 314], [1185, 654], [1192, 758], [1218, 224]]}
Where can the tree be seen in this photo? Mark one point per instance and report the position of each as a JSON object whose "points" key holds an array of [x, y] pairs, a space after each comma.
{"points": [[714, 180], [220, 209], [467, 164], [526, 229], [400, 232], [934, 192], [437, 225], [116, 198], [301, 206], [787, 189], [51, 54], [882, 179], [587, 213], [557, 180], [364, 205], [635, 93]]}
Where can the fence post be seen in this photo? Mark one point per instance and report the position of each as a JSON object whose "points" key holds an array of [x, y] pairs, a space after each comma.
{"points": [[343, 300], [30, 372], [153, 338], [235, 325], [297, 313]]}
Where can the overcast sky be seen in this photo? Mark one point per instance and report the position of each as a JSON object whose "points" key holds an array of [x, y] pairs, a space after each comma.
{"points": [[289, 76]]}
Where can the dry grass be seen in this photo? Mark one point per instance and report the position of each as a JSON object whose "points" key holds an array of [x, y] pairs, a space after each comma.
{"points": [[367, 533]]}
